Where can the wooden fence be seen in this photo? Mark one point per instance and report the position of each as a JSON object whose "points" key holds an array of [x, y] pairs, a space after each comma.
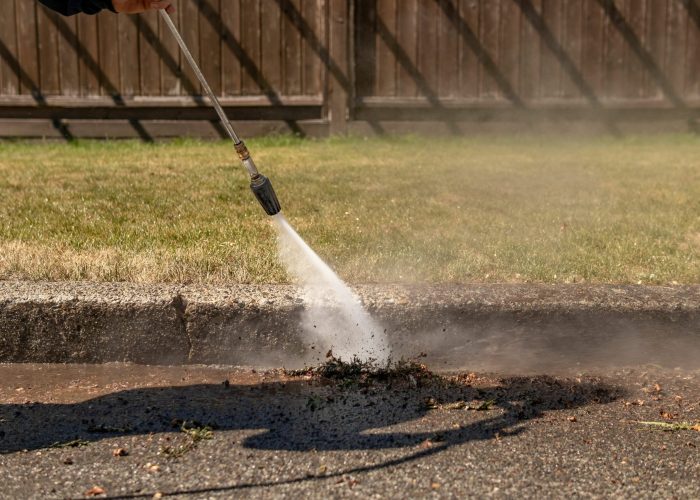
{"points": [[319, 66]]}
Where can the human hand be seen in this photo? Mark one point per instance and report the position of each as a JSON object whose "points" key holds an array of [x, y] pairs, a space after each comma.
{"points": [[137, 6]]}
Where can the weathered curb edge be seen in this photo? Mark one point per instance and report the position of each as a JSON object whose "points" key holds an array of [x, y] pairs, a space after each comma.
{"points": [[169, 324]]}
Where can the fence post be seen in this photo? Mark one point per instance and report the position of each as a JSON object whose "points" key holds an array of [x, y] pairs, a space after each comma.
{"points": [[338, 66]]}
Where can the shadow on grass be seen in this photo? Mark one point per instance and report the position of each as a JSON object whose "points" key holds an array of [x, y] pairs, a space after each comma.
{"points": [[299, 415]]}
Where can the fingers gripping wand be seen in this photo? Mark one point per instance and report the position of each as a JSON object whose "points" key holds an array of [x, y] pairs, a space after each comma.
{"points": [[259, 184]]}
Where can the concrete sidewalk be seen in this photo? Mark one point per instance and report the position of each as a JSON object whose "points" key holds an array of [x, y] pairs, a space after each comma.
{"points": [[480, 326]]}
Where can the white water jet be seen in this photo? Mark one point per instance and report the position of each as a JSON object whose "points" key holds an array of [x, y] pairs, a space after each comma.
{"points": [[333, 317]]}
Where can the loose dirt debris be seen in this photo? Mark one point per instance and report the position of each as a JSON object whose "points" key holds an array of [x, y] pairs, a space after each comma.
{"points": [[364, 373], [448, 392]]}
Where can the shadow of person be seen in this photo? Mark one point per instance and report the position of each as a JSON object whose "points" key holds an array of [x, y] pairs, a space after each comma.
{"points": [[305, 415]]}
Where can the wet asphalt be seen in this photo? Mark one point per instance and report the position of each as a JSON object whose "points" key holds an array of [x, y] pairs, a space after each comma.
{"points": [[75, 431]]}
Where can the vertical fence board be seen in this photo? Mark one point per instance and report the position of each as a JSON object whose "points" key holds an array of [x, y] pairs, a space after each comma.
{"points": [[250, 41], [530, 52], [385, 84], [692, 62], [406, 25], [48, 52], [149, 42], [572, 21], [109, 47], [88, 58], [427, 48], [468, 60], [129, 55], [210, 51], [68, 56], [656, 29], [339, 33], [272, 45], [27, 47], [230, 63], [448, 50], [616, 50], [508, 53], [677, 25], [365, 47], [312, 10], [635, 16], [292, 52], [592, 47], [489, 38], [9, 79], [550, 66], [189, 28], [170, 63]]}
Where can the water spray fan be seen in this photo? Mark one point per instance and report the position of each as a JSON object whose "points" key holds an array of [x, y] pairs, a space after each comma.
{"points": [[259, 184]]}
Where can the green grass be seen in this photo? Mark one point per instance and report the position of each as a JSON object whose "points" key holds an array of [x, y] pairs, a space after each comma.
{"points": [[501, 209]]}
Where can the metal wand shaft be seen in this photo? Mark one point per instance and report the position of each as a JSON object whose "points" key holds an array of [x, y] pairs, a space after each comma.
{"points": [[214, 101]]}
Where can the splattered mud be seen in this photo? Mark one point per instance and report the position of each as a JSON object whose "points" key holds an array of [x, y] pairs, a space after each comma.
{"points": [[130, 431]]}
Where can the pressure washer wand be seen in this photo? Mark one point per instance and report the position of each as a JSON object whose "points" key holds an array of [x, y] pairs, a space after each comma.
{"points": [[259, 184]]}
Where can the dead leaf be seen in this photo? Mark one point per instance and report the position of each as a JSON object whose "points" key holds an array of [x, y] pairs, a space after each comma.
{"points": [[571, 419], [667, 415], [94, 491]]}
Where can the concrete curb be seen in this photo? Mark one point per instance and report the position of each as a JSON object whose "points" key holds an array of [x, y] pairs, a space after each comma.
{"points": [[245, 324]]}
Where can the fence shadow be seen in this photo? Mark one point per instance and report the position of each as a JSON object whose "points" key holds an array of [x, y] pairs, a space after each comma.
{"points": [[299, 416], [538, 23], [617, 19], [247, 63], [28, 82], [94, 67], [173, 66], [421, 83], [482, 55]]}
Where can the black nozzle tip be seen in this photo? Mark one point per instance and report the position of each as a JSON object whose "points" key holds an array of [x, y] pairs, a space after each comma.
{"points": [[263, 191]]}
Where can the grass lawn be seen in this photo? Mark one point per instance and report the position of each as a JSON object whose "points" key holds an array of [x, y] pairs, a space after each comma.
{"points": [[501, 209]]}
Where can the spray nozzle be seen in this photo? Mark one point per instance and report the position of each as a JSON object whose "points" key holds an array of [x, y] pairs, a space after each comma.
{"points": [[259, 184], [264, 192]]}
